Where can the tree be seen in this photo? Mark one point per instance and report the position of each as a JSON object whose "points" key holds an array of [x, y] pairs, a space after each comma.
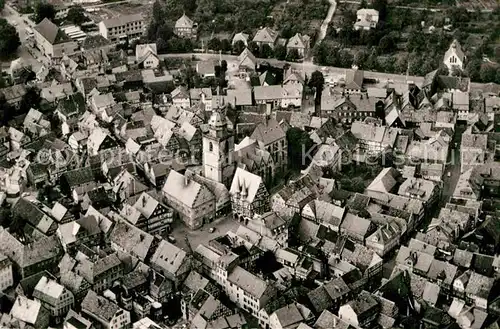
{"points": [[161, 45], [9, 39], [158, 13], [223, 66], [317, 82], [487, 73], [30, 100], [266, 51], [381, 6], [254, 48], [386, 44], [362, 4], [44, 10], [2, 4], [456, 72], [238, 47], [214, 44], [344, 59], [360, 58], [293, 55], [225, 45], [280, 52], [401, 64], [6, 110], [76, 15], [299, 146], [472, 69], [443, 70], [497, 76]]}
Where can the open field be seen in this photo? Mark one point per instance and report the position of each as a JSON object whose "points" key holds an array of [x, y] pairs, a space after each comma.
{"points": [[120, 9]]}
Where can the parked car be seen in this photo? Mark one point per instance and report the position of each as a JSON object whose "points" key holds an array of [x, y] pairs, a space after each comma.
{"points": [[171, 239], [211, 230]]}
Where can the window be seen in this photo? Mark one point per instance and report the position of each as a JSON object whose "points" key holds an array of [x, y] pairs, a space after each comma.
{"points": [[211, 147]]}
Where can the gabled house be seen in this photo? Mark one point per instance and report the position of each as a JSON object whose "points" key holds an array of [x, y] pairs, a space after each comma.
{"points": [[243, 37], [271, 137], [100, 141], [180, 97], [366, 19], [265, 36], [201, 95], [33, 216], [54, 297], [52, 41], [454, 58], [300, 43], [185, 27], [35, 123], [101, 273], [28, 259], [194, 202], [69, 110], [29, 312], [249, 195], [102, 105], [353, 81], [131, 240], [171, 261], [361, 311], [155, 217], [77, 182], [247, 63], [279, 96], [105, 312], [147, 55]]}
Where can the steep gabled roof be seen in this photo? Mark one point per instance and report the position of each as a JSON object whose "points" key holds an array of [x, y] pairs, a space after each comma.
{"points": [[184, 22], [266, 35], [51, 32]]}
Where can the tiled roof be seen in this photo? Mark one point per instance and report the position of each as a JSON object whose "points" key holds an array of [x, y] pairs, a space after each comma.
{"points": [[131, 240], [250, 283], [51, 32], [168, 258], [99, 306], [122, 20]]}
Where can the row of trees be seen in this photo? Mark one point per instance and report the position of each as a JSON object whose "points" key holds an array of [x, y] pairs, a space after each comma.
{"points": [[9, 39]]}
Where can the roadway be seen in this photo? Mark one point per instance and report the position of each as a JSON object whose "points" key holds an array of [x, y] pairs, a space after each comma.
{"points": [[324, 27], [306, 67], [434, 10], [30, 55]]}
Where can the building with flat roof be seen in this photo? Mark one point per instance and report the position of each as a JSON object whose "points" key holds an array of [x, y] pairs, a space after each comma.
{"points": [[122, 27]]}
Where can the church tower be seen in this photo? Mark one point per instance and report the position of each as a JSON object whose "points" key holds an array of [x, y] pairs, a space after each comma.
{"points": [[218, 148]]}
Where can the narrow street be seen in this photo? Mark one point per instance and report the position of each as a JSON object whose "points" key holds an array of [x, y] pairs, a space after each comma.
{"points": [[31, 55], [452, 167]]}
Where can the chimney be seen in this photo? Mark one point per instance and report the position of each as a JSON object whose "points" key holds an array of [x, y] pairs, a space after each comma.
{"points": [[144, 201], [186, 179]]}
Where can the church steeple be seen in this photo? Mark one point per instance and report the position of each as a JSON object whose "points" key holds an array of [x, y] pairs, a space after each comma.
{"points": [[218, 148]]}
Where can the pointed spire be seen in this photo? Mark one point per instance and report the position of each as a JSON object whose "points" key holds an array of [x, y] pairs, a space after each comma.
{"points": [[244, 191]]}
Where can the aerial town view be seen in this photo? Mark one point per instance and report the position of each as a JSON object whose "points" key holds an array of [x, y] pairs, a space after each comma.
{"points": [[250, 164]]}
